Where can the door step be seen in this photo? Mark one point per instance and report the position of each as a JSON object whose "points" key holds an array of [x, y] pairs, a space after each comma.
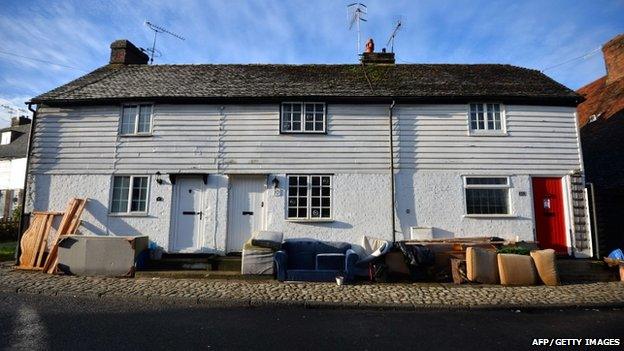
{"points": [[581, 270], [198, 262]]}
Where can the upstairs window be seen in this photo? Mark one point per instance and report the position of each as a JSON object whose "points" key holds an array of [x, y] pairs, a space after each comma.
{"points": [[487, 195], [6, 138], [309, 197], [486, 118], [303, 117], [129, 194], [136, 120]]}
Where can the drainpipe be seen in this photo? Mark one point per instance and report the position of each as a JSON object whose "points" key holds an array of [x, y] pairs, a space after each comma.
{"points": [[390, 118], [594, 220], [21, 226]]}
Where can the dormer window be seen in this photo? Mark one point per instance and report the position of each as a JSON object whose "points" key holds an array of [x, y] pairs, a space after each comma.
{"points": [[6, 138], [486, 118], [136, 120], [303, 117]]}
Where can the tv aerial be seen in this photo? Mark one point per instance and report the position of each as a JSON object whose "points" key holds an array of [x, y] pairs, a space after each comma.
{"points": [[158, 29], [356, 14], [390, 42]]}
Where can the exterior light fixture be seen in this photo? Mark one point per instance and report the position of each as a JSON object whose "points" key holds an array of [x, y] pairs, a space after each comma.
{"points": [[159, 177], [275, 182]]}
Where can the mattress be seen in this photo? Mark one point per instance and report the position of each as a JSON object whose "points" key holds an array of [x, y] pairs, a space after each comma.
{"points": [[257, 260]]}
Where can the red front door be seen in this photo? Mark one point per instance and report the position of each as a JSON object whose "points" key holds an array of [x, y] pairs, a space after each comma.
{"points": [[549, 214]]}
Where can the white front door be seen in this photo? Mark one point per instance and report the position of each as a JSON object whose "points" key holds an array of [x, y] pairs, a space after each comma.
{"points": [[189, 216], [245, 209]]}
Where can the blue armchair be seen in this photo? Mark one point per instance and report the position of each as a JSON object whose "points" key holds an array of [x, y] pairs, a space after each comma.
{"points": [[315, 261]]}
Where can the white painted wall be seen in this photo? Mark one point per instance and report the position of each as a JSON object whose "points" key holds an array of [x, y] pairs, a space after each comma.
{"points": [[77, 150], [12, 173], [361, 207], [437, 199]]}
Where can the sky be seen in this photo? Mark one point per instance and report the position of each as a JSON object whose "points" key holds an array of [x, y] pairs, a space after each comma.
{"points": [[44, 44]]}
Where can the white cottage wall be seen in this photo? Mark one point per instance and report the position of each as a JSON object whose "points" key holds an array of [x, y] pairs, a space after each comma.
{"points": [[77, 150]]}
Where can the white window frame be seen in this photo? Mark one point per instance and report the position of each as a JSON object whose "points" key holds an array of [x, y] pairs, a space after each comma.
{"points": [[136, 119], [309, 217], [128, 211], [6, 137], [302, 121], [487, 131], [507, 186]]}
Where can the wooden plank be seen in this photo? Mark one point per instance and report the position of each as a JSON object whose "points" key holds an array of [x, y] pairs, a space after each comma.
{"points": [[29, 241], [68, 225], [44, 240]]}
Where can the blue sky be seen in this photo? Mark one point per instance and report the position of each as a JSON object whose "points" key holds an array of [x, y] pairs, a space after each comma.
{"points": [[530, 33]]}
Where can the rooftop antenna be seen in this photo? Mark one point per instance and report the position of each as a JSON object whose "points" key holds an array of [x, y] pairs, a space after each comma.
{"points": [[158, 29], [390, 42], [356, 11]]}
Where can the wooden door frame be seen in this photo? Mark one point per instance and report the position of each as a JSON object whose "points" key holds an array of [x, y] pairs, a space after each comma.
{"points": [[174, 215]]}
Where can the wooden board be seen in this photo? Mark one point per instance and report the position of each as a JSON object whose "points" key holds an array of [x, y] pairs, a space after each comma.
{"points": [[69, 225], [34, 241]]}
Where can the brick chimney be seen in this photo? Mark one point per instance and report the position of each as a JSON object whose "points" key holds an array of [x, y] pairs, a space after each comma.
{"points": [[124, 52], [18, 121], [371, 57], [613, 52]]}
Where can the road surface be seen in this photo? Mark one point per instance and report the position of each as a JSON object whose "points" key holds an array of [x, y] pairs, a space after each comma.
{"points": [[69, 323]]}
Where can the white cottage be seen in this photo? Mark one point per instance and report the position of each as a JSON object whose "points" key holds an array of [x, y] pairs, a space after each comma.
{"points": [[199, 157]]}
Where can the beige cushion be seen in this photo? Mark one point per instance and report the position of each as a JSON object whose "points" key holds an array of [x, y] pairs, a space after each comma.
{"points": [[516, 270], [546, 266], [481, 265]]}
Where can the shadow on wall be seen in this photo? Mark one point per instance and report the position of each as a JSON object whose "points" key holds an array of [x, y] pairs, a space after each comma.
{"points": [[113, 225], [332, 225]]}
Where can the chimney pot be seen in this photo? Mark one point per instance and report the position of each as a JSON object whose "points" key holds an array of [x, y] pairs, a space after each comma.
{"points": [[613, 52], [125, 53], [370, 46]]}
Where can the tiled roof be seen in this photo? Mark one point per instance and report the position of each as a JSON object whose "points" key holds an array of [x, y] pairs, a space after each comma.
{"points": [[18, 147], [261, 81], [601, 99]]}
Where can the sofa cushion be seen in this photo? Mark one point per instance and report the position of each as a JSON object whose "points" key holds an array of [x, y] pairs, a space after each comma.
{"points": [[516, 269], [481, 265], [301, 254], [332, 247], [330, 261], [546, 266]]}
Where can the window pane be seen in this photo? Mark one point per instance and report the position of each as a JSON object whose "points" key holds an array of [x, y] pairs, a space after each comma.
{"points": [[145, 118], [480, 117], [487, 201], [494, 180], [490, 116], [128, 119], [497, 117], [139, 194], [121, 186]]}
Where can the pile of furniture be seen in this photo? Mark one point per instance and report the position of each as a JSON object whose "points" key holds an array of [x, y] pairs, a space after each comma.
{"points": [[490, 267], [39, 243]]}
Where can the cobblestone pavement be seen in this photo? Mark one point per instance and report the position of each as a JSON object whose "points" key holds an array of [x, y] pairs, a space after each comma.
{"points": [[268, 292]]}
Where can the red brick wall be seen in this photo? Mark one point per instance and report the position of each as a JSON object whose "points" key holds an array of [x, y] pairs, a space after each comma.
{"points": [[614, 58]]}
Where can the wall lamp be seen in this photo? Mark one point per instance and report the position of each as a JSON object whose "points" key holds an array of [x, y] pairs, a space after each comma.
{"points": [[275, 182], [159, 177]]}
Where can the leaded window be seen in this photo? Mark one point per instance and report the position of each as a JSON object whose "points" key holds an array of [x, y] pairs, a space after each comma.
{"points": [[309, 197]]}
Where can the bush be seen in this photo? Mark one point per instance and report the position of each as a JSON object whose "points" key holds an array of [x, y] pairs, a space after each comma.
{"points": [[8, 231], [514, 250]]}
